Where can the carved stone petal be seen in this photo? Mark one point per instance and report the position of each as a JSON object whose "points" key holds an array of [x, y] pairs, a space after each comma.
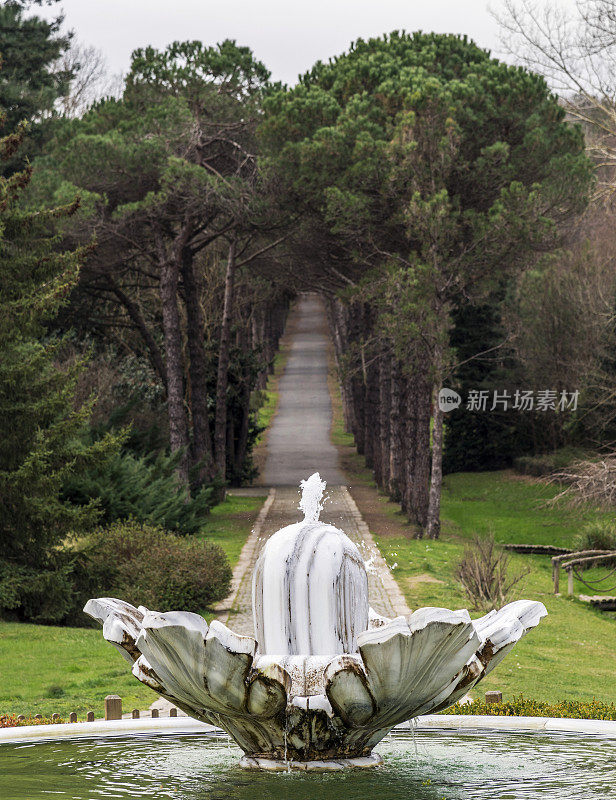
{"points": [[173, 645], [405, 666], [347, 689], [268, 691], [499, 630], [408, 663], [121, 623], [227, 664]]}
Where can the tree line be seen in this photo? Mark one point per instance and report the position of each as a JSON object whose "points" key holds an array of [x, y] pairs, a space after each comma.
{"points": [[153, 241], [141, 313], [442, 183]]}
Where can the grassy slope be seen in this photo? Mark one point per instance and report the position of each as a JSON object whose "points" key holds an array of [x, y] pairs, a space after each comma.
{"points": [[572, 655], [229, 523], [268, 398], [38, 662]]}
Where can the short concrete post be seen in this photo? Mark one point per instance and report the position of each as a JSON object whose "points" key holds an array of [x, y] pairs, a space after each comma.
{"points": [[154, 713], [113, 707], [90, 716], [494, 697], [38, 716], [55, 718], [570, 581], [72, 717], [21, 718], [135, 713], [173, 712]]}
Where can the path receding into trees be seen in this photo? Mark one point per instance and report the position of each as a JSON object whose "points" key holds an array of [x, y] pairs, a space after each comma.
{"points": [[299, 442]]}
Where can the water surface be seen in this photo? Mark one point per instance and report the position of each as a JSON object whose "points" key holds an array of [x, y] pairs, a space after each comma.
{"points": [[433, 765]]}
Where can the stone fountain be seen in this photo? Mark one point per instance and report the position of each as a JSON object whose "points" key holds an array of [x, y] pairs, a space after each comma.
{"points": [[326, 678]]}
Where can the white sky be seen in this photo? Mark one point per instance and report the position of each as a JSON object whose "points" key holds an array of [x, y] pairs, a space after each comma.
{"points": [[287, 36]]}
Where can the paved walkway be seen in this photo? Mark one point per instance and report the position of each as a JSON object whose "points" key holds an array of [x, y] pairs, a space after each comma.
{"points": [[298, 442]]}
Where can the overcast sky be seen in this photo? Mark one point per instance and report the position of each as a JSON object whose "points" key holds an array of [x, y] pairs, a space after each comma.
{"points": [[288, 36]]}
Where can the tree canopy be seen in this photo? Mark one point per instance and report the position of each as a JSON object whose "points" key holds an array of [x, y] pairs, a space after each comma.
{"points": [[439, 171]]}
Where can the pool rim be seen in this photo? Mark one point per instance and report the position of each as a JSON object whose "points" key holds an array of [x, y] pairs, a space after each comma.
{"points": [[126, 727]]}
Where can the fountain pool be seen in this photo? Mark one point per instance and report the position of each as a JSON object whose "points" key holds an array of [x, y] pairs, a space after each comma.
{"points": [[432, 764], [326, 677]]}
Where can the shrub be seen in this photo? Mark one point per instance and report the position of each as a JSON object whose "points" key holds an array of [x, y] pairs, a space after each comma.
{"points": [[597, 535], [146, 565], [483, 574], [142, 488], [537, 466], [527, 707], [540, 466]]}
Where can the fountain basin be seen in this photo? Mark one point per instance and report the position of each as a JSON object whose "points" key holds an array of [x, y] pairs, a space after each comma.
{"points": [[444, 757], [326, 678]]}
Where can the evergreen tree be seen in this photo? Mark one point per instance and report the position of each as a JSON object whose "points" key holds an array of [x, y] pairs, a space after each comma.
{"points": [[440, 172], [31, 80], [39, 425]]}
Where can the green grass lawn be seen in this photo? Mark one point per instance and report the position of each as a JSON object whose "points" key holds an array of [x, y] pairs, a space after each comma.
{"points": [[47, 669], [572, 654], [229, 523], [514, 508]]}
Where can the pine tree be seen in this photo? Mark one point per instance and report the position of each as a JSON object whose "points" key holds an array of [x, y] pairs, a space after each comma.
{"points": [[39, 424], [31, 80]]}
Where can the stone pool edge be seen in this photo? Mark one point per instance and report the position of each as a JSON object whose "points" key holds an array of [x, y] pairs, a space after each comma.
{"points": [[102, 728]]}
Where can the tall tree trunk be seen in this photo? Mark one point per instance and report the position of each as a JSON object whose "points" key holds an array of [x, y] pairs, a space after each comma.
{"points": [[339, 335], [433, 524], [433, 527], [417, 472], [257, 342], [172, 332], [242, 441], [372, 419], [384, 414], [222, 381], [396, 432], [371, 410], [198, 369]]}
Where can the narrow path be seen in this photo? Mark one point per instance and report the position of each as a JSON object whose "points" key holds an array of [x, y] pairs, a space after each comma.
{"points": [[299, 444]]}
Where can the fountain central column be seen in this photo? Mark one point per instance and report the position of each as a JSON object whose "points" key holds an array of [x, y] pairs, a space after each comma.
{"points": [[310, 587]]}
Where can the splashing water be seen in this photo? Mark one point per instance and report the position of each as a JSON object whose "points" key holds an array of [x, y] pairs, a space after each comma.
{"points": [[371, 566], [311, 502]]}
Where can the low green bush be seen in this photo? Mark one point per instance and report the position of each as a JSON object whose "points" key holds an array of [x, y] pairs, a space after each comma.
{"points": [[536, 466], [539, 466], [521, 706], [146, 489], [597, 535], [146, 565]]}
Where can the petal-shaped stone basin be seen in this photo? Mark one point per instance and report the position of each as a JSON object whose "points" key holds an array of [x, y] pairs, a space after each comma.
{"points": [[327, 678]]}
